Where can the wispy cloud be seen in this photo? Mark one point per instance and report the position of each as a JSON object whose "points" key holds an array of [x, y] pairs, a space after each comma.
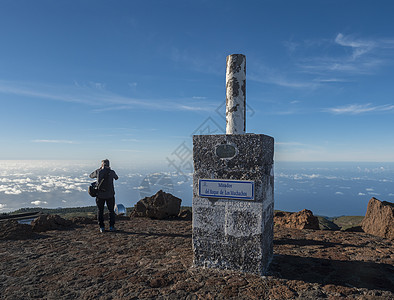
{"points": [[195, 108], [340, 66], [332, 80], [359, 47], [365, 56], [281, 80], [91, 94], [131, 140], [197, 62], [96, 95], [54, 141], [289, 144], [355, 109]]}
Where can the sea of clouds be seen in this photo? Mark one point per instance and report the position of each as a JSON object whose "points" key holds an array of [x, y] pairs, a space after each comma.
{"points": [[330, 189], [53, 184]]}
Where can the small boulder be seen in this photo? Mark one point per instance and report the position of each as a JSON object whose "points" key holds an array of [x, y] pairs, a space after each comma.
{"points": [[379, 219], [50, 222], [160, 206], [12, 230], [186, 215], [303, 219]]}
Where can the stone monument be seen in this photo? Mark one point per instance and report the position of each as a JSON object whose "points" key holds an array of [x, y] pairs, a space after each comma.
{"points": [[233, 188]]}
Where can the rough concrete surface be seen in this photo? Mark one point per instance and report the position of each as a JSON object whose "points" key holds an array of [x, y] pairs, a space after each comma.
{"points": [[234, 234]]}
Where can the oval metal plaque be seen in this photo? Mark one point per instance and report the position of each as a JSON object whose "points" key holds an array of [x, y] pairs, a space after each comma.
{"points": [[226, 151]]}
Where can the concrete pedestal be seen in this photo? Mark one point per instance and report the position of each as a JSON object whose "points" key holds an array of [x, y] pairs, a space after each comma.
{"points": [[234, 234]]}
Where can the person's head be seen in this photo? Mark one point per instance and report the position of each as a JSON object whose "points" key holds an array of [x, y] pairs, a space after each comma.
{"points": [[105, 163]]}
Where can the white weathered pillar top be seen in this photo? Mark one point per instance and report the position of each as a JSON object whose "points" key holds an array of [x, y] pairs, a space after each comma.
{"points": [[236, 94]]}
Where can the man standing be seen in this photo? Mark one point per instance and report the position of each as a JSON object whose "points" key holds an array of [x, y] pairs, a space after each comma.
{"points": [[106, 193]]}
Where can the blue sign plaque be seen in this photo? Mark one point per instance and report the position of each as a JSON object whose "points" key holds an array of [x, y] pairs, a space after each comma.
{"points": [[227, 189]]}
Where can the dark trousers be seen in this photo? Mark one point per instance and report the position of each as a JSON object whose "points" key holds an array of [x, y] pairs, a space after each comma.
{"points": [[100, 210]]}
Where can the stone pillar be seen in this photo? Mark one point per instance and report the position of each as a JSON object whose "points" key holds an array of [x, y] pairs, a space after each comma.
{"points": [[233, 189], [230, 233], [236, 94]]}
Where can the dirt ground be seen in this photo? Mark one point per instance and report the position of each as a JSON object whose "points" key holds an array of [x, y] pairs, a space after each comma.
{"points": [[151, 259]]}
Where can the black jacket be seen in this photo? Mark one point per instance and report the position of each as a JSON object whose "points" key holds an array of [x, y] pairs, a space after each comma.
{"points": [[106, 189]]}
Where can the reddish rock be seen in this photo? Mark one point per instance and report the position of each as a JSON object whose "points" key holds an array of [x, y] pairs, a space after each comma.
{"points": [[160, 206], [50, 222], [379, 219], [303, 219]]}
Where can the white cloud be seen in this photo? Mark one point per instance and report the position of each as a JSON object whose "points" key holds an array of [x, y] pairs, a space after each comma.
{"points": [[289, 144], [40, 189], [366, 56], [355, 109], [139, 188], [17, 183], [2, 206], [97, 85], [338, 193], [38, 202], [281, 80], [93, 94], [331, 80], [361, 194], [359, 47], [195, 108], [374, 194], [54, 141], [11, 190], [303, 176]]}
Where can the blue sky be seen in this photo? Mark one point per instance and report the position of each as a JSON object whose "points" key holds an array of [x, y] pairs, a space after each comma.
{"points": [[132, 80]]}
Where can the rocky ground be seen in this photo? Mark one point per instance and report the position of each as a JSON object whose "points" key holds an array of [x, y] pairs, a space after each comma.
{"points": [[152, 259]]}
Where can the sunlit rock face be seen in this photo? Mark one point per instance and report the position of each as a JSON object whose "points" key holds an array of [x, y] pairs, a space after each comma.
{"points": [[379, 219]]}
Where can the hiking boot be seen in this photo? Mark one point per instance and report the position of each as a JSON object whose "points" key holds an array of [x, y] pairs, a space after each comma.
{"points": [[112, 228], [102, 229]]}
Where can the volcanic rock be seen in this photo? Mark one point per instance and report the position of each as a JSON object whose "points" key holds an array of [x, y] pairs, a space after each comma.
{"points": [[303, 219], [50, 222], [83, 220], [186, 215], [12, 230], [153, 259], [160, 206], [379, 219]]}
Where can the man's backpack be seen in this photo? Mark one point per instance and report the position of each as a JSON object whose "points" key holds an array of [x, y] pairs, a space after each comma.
{"points": [[94, 188]]}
